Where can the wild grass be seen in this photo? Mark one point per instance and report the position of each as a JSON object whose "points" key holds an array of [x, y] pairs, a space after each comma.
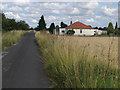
{"points": [[80, 62], [11, 37]]}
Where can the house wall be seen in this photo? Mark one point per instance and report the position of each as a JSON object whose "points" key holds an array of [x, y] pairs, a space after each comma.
{"points": [[86, 32], [62, 31], [99, 32]]}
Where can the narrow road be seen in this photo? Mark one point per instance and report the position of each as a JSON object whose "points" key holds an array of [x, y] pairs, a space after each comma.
{"points": [[22, 67]]}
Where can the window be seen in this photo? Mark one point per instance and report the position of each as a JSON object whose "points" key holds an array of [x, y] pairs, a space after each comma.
{"points": [[63, 31], [80, 30]]}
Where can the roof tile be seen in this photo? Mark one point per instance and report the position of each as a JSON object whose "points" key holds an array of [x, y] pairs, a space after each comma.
{"points": [[79, 25]]}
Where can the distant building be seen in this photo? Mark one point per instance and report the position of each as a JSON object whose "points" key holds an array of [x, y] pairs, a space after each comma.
{"points": [[79, 28]]}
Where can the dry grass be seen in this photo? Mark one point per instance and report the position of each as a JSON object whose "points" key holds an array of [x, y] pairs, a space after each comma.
{"points": [[96, 47], [88, 62], [11, 37]]}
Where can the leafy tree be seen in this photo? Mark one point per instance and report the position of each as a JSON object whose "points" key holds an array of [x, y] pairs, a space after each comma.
{"points": [[116, 26], [110, 28], [36, 28], [57, 27], [42, 24], [22, 25], [70, 32], [31, 28], [11, 24], [96, 27], [63, 25], [52, 27]]}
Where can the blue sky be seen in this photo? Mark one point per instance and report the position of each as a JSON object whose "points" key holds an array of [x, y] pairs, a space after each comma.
{"points": [[90, 13]]}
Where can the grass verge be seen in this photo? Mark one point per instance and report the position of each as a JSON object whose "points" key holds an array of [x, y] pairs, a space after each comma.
{"points": [[11, 37], [70, 65]]}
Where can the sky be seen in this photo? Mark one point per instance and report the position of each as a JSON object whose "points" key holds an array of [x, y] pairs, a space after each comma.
{"points": [[90, 13]]}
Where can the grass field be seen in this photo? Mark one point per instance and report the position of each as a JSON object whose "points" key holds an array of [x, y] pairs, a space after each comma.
{"points": [[11, 37], [80, 62]]}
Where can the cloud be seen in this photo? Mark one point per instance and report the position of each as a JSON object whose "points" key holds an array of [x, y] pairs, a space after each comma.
{"points": [[75, 11], [3, 6], [98, 17], [85, 12], [12, 15], [15, 0], [34, 21], [56, 11], [109, 11], [90, 20], [15, 9]]}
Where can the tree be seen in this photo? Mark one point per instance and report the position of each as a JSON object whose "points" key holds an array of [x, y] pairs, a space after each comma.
{"points": [[42, 24], [96, 27], [52, 27], [63, 25], [116, 26], [110, 28], [70, 32], [22, 25], [11, 24], [57, 26]]}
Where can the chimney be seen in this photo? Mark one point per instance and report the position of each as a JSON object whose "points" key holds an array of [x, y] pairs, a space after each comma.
{"points": [[71, 23]]}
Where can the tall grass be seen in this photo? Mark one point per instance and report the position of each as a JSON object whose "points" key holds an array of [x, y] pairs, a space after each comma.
{"points": [[11, 37], [74, 62]]}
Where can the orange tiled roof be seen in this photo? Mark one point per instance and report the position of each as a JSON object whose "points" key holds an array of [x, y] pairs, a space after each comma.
{"points": [[79, 25]]}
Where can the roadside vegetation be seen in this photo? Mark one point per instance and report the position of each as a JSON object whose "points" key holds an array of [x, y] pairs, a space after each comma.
{"points": [[12, 24], [80, 62], [12, 31], [11, 37]]}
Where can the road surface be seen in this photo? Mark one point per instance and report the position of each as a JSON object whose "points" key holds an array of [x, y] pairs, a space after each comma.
{"points": [[23, 67]]}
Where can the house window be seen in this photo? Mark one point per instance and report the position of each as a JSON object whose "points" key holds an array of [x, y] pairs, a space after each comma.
{"points": [[80, 30], [63, 31]]}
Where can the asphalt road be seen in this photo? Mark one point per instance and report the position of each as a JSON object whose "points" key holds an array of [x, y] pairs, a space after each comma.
{"points": [[22, 67]]}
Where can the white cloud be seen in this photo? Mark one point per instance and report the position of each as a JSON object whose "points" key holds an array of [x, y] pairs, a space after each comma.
{"points": [[109, 11], [22, 14], [15, 9], [55, 11], [91, 5], [12, 15], [34, 21], [84, 12], [15, 0], [3, 6], [98, 17], [75, 11], [90, 20]]}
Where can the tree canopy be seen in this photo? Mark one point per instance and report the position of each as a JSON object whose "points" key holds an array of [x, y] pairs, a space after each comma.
{"points": [[52, 27], [63, 25], [110, 28], [11, 24], [116, 26], [42, 24]]}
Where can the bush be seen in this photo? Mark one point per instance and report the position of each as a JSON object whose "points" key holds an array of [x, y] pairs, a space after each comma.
{"points": [[70, 32]]}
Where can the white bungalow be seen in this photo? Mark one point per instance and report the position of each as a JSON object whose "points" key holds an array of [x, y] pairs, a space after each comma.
{"points": [[79, 28]]}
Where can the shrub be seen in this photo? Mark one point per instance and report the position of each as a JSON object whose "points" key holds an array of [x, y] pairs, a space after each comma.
{"points": [[70, 32]]}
